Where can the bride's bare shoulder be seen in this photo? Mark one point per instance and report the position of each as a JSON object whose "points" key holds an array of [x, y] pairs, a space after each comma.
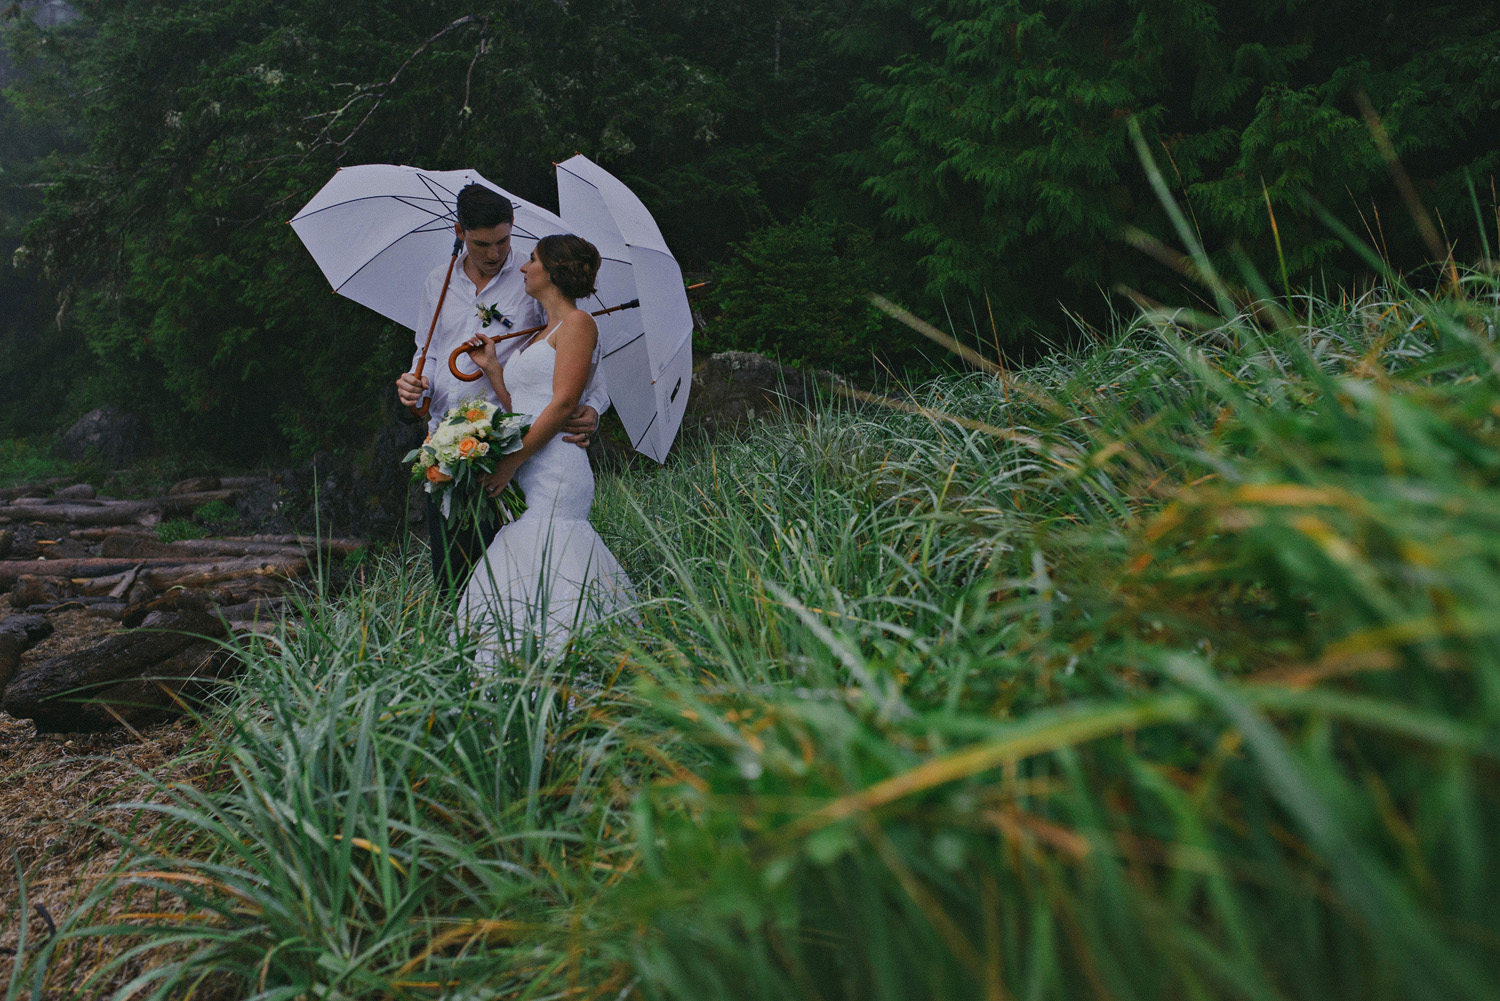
{"points": [[579, 326]]}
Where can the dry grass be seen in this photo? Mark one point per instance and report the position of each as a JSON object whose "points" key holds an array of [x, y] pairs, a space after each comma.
{"points": [[56, 795]]}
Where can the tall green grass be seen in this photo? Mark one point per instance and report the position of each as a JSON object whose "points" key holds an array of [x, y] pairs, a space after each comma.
{"points": [[1168, 669]]}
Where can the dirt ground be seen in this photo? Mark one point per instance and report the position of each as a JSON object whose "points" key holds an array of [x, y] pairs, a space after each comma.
{"points": [[58, 793]]}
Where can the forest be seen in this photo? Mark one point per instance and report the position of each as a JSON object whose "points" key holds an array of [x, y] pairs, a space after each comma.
{"points": [[969, 159]]}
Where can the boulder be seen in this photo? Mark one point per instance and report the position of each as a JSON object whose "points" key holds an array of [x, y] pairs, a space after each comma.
{"points": [[108, 433], [734, 388], [78, 491], [267, 503]]}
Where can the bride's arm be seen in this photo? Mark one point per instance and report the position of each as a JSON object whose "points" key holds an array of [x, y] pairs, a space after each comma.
{"points": [[574, 342]]}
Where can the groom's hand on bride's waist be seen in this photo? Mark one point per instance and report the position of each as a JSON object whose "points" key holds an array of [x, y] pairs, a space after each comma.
{"points": [[581, 426]]}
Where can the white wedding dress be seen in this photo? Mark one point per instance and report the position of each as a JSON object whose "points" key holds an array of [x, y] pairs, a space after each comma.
{"points": [[548, 573]]}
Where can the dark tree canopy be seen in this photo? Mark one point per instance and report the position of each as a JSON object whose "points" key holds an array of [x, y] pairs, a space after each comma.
{"points": [[960, 155]]}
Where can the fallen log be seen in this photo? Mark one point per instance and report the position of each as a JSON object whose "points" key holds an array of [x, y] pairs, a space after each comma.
{"points": [[337, 546], [95, 513], [19, 633], [197, 575], [195, 485], [187, 503], [99, 534], [119, 546], [37, 589], [38, 488], [84, 566], [63, 693], [172, 686]]}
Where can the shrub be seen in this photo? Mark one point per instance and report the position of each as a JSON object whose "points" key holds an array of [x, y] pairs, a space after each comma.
{"points": [[797, 292]]}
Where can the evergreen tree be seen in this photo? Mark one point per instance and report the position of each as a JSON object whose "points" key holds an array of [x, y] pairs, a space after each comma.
{"points": [[1003, 145]]}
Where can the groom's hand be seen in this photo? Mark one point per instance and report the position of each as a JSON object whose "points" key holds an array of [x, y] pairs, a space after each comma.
{"points": [[409, 388], [580, 426]]}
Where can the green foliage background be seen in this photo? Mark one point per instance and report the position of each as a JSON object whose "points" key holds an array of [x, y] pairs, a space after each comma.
{"points": [[957, 155]]}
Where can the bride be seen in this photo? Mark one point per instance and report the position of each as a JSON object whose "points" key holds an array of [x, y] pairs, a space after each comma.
{"points": [[547, 573]]}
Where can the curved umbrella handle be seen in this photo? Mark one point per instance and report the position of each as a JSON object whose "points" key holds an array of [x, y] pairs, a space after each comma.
{"points": [[426, 405], [474, 376]]}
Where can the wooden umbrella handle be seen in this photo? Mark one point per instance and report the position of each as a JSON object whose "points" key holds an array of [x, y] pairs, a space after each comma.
{"points": [[426, 405], [474, 376]]}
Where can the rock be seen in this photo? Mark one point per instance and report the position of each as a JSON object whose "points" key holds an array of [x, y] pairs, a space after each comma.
{"points": [[109, 433], [266, 503], [19, 633], [7, 539], [36, 589], [732, 388], [194, 485], [366, 493], [69, 692], [78, 491]]}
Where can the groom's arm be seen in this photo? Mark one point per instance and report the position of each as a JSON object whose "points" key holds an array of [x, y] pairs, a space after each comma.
{"points": [[409, 388]]}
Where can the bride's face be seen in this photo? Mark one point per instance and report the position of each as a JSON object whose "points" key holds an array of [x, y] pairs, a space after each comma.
{"points": [[534, 276]]}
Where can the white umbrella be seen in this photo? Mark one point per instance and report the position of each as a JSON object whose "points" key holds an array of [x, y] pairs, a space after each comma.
{"points": [[378, 230], [646, 353]]}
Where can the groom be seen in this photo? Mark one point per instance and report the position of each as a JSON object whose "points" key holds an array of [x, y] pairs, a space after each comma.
{"points": [[488, 274]]}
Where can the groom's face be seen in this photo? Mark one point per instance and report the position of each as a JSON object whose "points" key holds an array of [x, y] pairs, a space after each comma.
{"points": [[488, 247]]}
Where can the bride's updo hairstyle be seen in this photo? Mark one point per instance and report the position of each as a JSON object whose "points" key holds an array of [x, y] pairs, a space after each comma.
{"points": [[571, 262]]}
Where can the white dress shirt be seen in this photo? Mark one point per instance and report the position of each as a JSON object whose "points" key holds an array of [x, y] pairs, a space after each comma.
{"points": [[460, 321]]}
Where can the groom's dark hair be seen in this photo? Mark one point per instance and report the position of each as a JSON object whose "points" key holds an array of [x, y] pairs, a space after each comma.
{"points": [[483, 208]]}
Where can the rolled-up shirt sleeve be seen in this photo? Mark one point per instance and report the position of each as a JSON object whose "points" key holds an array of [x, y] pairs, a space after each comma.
{"points": [[596, 393]]}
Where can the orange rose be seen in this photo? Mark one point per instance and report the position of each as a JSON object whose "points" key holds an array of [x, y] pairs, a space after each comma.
{"points": [[436, 475], [473, 415], [466, 447]]}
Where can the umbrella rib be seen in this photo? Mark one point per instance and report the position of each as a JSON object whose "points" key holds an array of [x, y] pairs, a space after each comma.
{"points": [[622, 347], [645, 431], [361, 198], [372, 258], [447, 213]]}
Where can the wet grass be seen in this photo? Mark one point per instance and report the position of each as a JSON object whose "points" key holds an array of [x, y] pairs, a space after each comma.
{"points": [[1163, 670]]}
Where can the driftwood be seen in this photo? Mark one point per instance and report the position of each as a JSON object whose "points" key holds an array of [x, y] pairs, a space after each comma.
{"points": [[35, 589], [170, 686], [19, 633], [336, 546], [40, 488], [122, 546], [109, 531], [197, 575], [65, 692], [81, 511], [195, 485], [95, 513], [88, 566], [187, 502]]}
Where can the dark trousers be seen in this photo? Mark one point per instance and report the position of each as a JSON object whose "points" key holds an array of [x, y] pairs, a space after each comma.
{"points": [[455, 551]]}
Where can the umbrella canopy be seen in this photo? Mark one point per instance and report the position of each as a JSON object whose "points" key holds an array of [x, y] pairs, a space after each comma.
{"points": [[646, 353], [378, 230]]}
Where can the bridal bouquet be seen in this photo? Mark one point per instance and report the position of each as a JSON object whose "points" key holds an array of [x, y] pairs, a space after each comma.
{"points": [[461, 452]]}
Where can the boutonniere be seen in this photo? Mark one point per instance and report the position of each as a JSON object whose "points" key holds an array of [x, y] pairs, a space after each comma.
{"points": [[491, 314]]}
